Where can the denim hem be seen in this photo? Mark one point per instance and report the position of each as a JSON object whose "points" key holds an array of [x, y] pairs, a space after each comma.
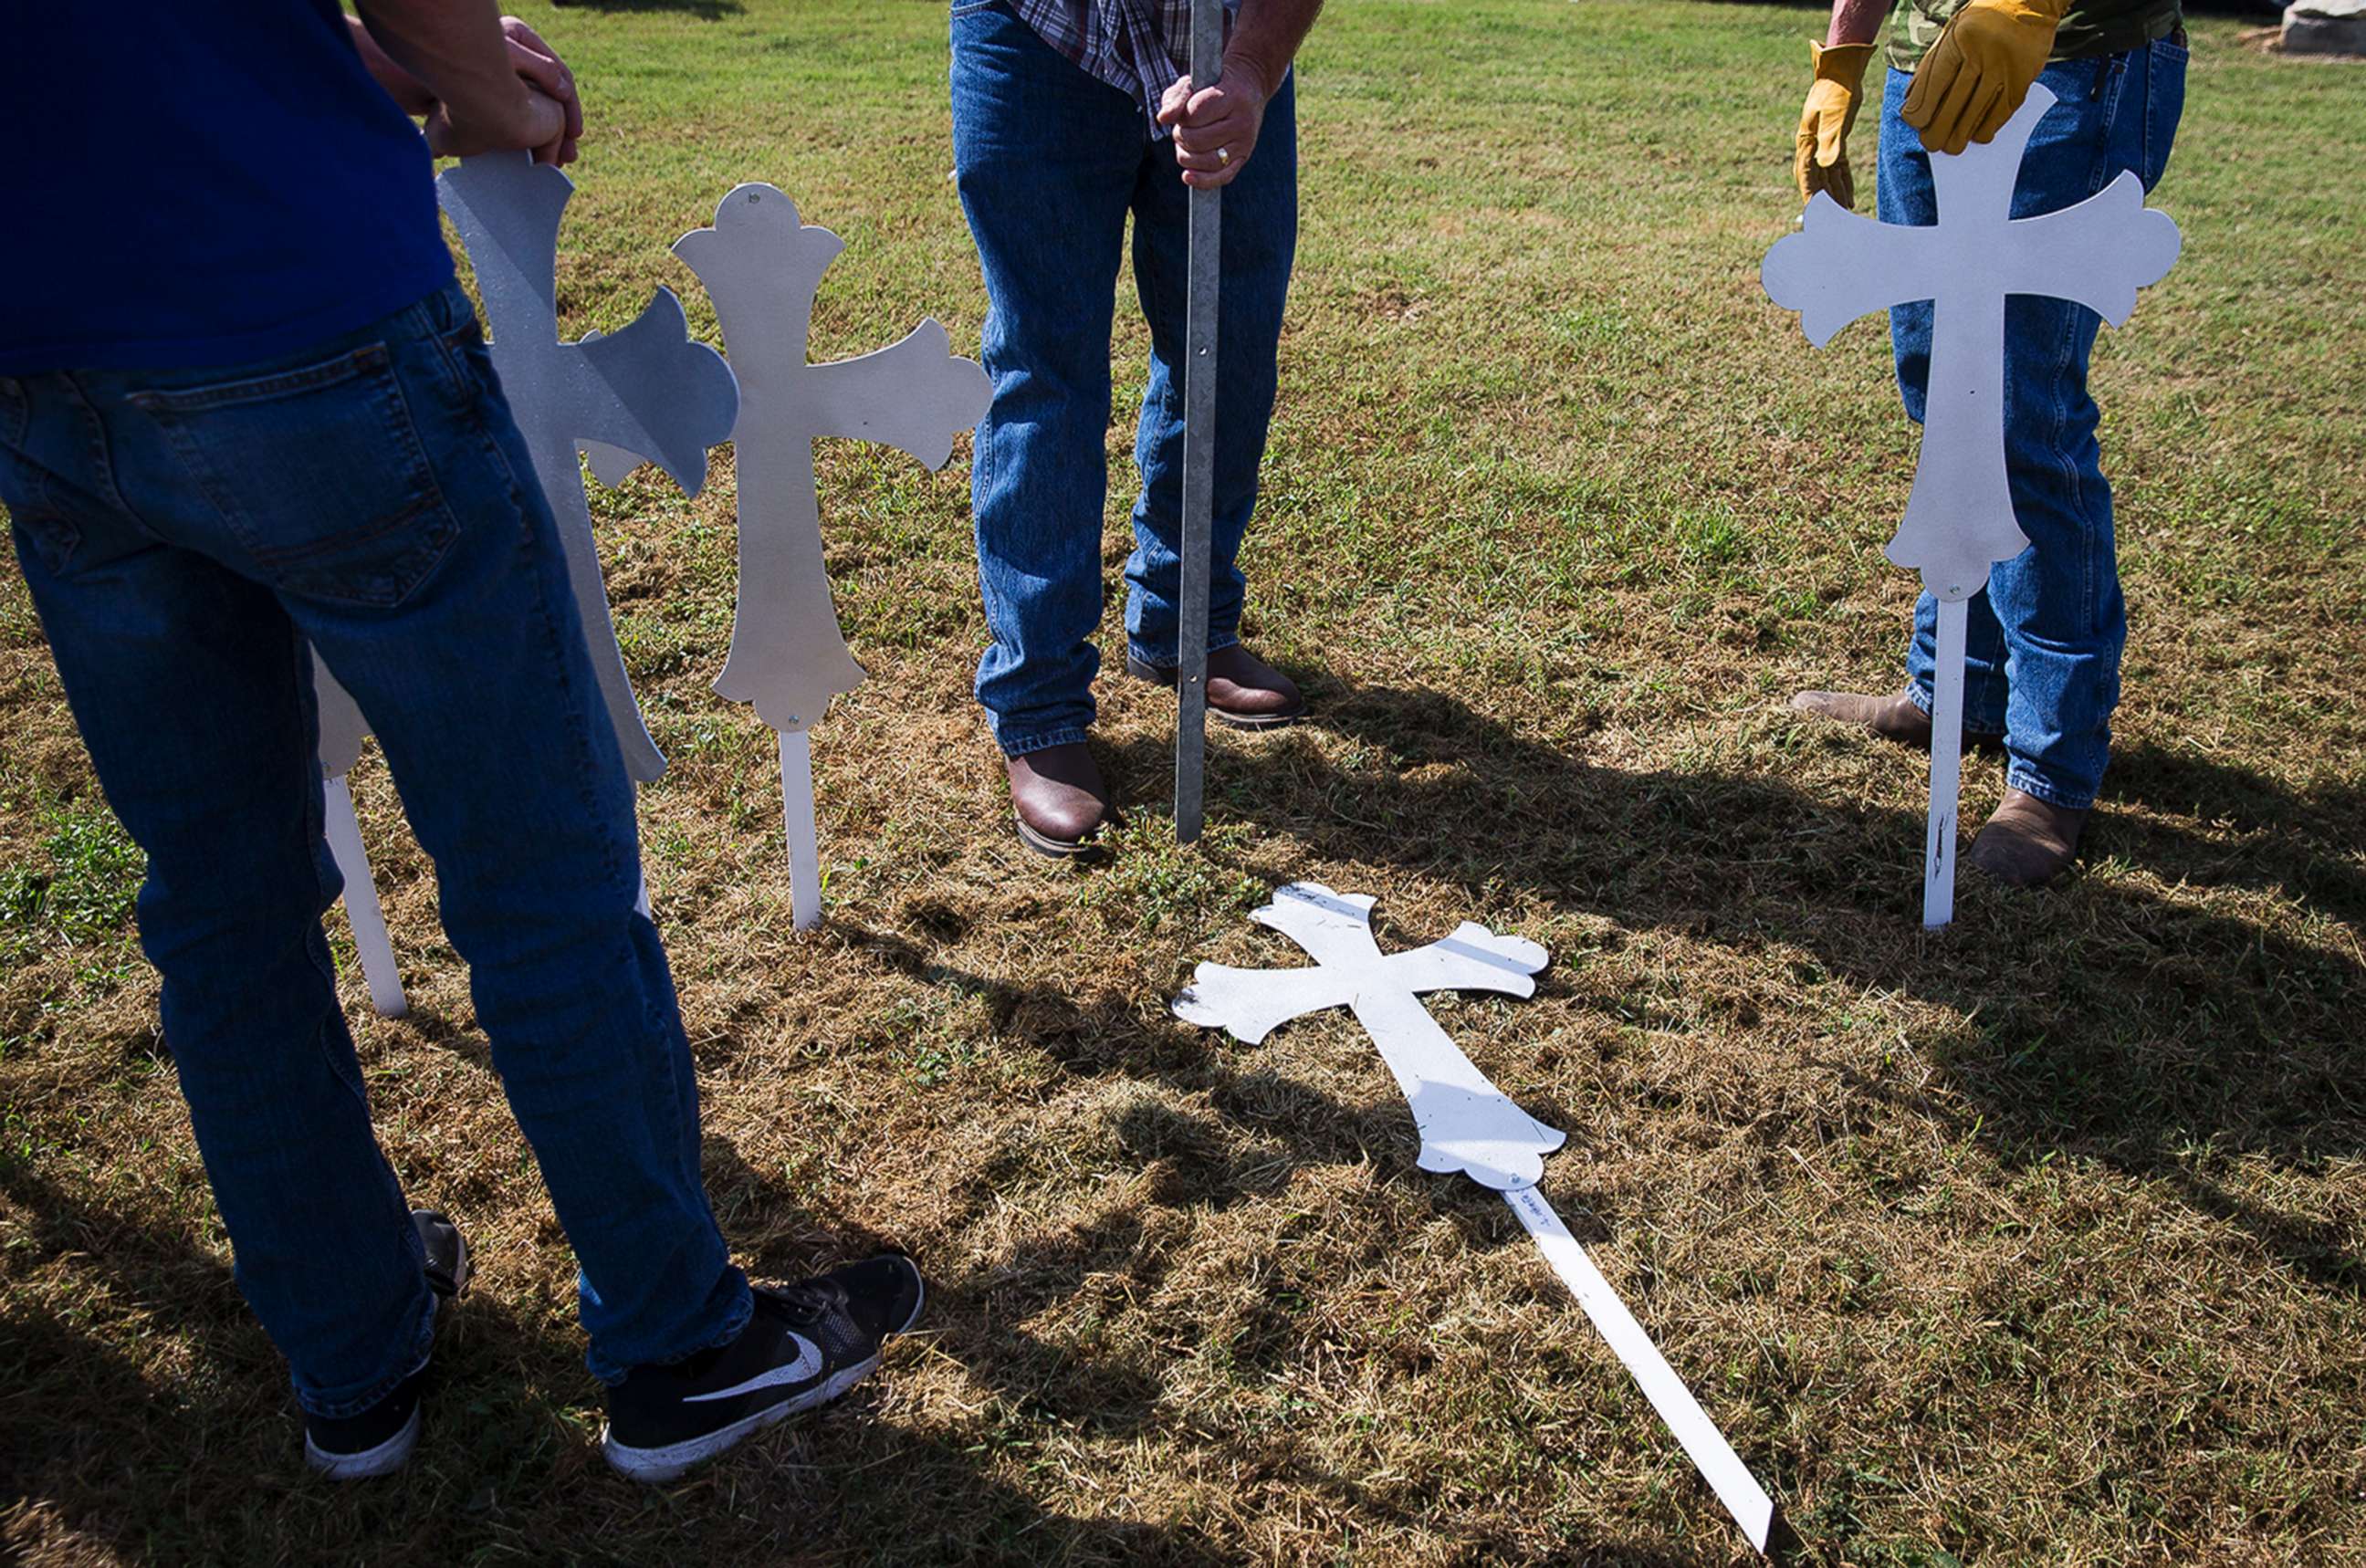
{"points": [[2019, 777], [340, 1409], [734, 1324], [1217, 643], [1922, 700], [1019, 746]]}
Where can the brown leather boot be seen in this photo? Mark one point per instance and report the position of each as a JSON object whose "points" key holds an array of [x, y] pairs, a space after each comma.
{"points": [[1059, 800], [2027, 843], [1244, 691], [1894, 717]]}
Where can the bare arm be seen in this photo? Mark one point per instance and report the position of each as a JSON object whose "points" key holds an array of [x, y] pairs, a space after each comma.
{"points": [[1216, 128], [1265, 38], [400, 85], [1856, 21], [459, 53]]}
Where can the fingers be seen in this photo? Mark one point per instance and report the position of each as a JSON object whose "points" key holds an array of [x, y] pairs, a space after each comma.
{"points": [[1203, 180], [440, 143], [1173, 102], [1931, 79], [1236, 136], [545, 126], [536, 61], [1812, 173], [1947, 107], [2000, 105], [1219, 111], [1831, 141]]}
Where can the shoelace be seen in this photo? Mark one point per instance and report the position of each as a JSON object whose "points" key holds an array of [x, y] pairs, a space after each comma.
{"points": [[808, 1301]]}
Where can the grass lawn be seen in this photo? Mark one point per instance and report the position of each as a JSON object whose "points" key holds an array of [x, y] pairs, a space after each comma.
{"points": [[2036, 1243]]}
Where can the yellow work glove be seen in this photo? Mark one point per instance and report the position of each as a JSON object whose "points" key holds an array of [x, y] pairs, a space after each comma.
{"points": [[1822, 163], [1976, 74]]}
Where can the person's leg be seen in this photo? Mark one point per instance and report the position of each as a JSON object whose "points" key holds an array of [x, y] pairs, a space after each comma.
{"points": [[192, 690], [1261, 240], [2064, 620], [385, 495], [1903, 193], [1045, 157]]}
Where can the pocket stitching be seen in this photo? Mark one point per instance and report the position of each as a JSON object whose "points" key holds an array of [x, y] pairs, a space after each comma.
{"points": [[228, 394], [373, 360]]}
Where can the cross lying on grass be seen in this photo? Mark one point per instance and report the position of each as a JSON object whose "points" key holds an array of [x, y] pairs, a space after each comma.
{"points": [[1959, 518], [1466, 1123]]}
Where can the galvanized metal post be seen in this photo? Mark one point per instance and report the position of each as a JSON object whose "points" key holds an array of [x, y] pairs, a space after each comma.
{"points": [[1199, 453]]}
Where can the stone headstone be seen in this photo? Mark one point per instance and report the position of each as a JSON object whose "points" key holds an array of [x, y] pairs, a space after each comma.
{"points": [[2326, 27]]}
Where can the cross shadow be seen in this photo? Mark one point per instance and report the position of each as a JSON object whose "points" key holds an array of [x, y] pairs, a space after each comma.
{"points": [[2099, 1019]]}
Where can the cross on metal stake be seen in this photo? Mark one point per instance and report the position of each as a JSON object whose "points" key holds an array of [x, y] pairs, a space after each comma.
{"points": [[647, 391], [762, 265], [1465, 1122], [1205, 267], [1959, 517]]}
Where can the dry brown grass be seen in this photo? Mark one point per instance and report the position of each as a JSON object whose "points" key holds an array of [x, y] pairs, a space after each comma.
{"points": [[2036, 1243]]}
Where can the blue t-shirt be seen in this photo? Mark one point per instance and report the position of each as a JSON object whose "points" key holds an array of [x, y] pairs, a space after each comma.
{"points": [[200, 182]]}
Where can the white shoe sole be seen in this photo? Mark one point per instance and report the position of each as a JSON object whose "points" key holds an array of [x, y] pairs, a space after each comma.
{"points": [[383, 1460], [671, 1463], [677, 1459]]}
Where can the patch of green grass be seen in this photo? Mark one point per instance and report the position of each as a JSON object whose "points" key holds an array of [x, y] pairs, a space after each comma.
{"points": [[77, 887]]}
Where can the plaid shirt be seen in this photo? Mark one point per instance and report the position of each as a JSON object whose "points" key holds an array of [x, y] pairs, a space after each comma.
{"points": [[1140, 47]]}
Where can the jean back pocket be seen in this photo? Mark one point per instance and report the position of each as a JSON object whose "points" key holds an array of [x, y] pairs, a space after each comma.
{"points": [[319, 474]]}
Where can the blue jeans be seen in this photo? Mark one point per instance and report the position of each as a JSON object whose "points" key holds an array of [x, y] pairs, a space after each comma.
{"points": [[186, 534], [1050, 161], [2041, 664]]}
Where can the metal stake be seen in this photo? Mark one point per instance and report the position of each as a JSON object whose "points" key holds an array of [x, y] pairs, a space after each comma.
{"points": [[1199, 453]]}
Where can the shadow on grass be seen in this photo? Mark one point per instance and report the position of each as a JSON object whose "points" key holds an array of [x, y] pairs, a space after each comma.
{"points": [[2100, 1021], [197, 1460]]}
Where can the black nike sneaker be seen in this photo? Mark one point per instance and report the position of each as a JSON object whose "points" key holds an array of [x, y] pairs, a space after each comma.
{"points": [[377, 1440], [806, 1345]]}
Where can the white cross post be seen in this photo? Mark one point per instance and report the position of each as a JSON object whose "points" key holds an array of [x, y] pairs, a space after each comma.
{"points": [[1465, 1122], [762, 265], [343, 729], [1959, 518]]}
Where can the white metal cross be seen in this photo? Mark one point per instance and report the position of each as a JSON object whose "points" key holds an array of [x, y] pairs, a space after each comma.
{"points": [[1959, 518], [762, 265], [1466, 1123], [645, 392]]}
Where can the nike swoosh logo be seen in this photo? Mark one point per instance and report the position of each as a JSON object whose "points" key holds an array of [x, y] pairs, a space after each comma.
{"points": [[804, 1368]]}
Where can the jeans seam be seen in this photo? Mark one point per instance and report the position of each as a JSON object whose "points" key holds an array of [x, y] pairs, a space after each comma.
{"points": [[1066, 735], [2024, 777], [1149, 262], [102, 458], [343, 1409]]}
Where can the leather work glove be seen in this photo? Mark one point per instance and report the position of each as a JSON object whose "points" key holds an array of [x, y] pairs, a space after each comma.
{"points": [[1822, 163], [1976, 74]]}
